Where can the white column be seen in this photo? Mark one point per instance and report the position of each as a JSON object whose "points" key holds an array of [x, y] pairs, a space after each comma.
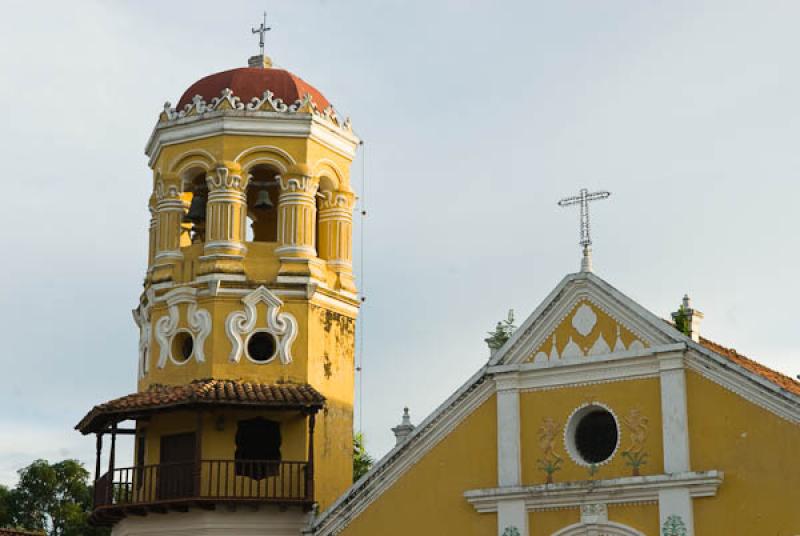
{"points": [[675, 504], [674, 416], [510, 514], [675, 510]]}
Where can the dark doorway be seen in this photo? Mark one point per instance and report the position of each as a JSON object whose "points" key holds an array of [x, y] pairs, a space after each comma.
{"points": [[258, 448], [175, 475]]}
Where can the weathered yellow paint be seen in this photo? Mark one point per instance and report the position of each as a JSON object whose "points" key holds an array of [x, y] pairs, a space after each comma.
{"points": [[621, 397], [606, 327], [428, 498], [549, 521], [756, 450], [642, 517]]}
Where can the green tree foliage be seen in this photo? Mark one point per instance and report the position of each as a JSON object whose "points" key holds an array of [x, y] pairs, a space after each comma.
{"points": [[5, 507], [55, 498], [362, 461]]}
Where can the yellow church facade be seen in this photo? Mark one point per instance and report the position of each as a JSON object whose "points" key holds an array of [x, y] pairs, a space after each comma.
{"points": [[595, 418]]}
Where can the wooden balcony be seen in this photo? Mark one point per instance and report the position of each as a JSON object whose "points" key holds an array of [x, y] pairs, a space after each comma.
{"points": [[204, 484]]}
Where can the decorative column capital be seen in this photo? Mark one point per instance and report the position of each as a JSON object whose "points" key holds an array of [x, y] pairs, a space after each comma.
{"points": [[227, 175], [298, 179], [336, 200], [166, 190]]}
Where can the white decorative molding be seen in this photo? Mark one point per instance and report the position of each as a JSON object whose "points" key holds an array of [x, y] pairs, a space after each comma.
{"points": [[584, 319], [247, 123], [281, 325], [141, 315], [627, 365], [600, 347], [571, 350], [594, 513], [198, 320], [572, 425], [268, 102], [627, 490]]}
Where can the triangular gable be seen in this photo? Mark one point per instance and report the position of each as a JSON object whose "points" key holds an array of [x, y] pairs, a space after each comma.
{"points": [[584, 317]]}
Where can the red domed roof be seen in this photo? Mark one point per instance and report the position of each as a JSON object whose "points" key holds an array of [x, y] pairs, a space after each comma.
{"points": [[249, 82]]}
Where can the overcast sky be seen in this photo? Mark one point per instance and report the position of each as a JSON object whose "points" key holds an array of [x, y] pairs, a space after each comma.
{"points": [[477, 118]]}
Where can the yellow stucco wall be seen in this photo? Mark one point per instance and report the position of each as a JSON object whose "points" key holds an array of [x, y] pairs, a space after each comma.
{"points": [[758, 452], [557, 404], [428, 498]]}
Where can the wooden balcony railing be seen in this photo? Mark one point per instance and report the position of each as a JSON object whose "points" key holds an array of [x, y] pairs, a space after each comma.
{"points": [[205, 481]]}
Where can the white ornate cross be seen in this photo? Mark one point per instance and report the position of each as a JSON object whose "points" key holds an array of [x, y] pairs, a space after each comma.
{"points": [[261, 30], [583, 199]]}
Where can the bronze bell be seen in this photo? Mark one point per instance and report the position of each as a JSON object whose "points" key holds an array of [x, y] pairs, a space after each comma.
{"points": [[197, 208], [263, 202]]}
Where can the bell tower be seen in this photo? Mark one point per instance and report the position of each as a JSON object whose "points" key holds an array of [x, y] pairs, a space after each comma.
{"points": [[247, 317]]}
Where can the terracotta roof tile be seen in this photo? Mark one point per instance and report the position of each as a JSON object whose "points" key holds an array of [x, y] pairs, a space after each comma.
{"points": [[781, 380], [198, 393]]}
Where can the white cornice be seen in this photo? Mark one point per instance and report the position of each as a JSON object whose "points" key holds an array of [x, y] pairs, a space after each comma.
{"points": [[626, 365], [635, 489], [251, 123]]}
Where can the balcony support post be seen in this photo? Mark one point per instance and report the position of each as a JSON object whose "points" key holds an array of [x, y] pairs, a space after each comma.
{"points": [[310, 466], [99, 449], [111, 455], [198, 454]]}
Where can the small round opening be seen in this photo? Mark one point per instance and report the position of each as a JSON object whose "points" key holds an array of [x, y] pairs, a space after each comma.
{"points": [[596, 435], [182, 346], [261, 346]]}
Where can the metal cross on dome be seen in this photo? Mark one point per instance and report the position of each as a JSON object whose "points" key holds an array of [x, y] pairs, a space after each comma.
{"points": [[261, 30], [583, 199]]}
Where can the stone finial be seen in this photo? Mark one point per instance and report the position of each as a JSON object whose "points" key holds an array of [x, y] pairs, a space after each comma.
{"points": [[687, 320], [260, 62], [404, 429]]}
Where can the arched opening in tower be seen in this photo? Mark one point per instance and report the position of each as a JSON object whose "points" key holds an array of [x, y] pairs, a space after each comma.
{"points": [[262, 205], [194, 220]]}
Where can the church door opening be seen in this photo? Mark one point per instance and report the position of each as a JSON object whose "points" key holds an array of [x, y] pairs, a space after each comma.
{"points": [[175, 475]]}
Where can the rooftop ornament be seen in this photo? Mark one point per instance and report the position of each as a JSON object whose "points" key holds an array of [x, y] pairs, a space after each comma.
{"points": [[583, 199]]}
